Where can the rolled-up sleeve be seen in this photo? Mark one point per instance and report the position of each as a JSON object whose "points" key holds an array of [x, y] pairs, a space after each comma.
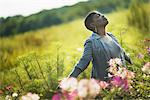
{"points": [[86, 56]]}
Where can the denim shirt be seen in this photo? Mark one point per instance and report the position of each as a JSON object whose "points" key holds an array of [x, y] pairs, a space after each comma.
{"points": [[97, 51]]}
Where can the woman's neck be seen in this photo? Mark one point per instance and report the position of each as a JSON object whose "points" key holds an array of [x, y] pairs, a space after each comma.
{"points": [[101, 31]]}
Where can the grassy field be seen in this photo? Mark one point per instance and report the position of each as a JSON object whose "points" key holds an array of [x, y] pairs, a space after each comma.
{"points": [[45, 55]]}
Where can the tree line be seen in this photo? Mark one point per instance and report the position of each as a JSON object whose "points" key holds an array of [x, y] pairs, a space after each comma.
{"points": [[20, 24]]}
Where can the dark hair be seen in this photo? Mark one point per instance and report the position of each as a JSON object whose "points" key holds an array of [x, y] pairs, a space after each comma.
{"points": [[89, 19]]}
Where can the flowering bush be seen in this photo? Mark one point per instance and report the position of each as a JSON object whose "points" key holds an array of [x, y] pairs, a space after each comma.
{"points": [[120, 82]]}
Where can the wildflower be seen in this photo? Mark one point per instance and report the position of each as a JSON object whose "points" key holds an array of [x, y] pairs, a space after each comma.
{"points": [[83, 88], [125, 84], [69, 84], [9, 87], [8, 97], [74, 94], [1, 92], [122, 72], [110, 75], [118, 61], [114, 62], [25, 98], [148, 50], [146, 68], [130, 74], [30, 96], [79, 49], [117, 81], [112, 69], [14, 94], [140, 56], [103, 84], [57, 96], [111, 62], [94, 87]]}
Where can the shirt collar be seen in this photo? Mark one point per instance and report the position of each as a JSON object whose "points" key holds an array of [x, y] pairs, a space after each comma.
{"points": [[95, 35]]}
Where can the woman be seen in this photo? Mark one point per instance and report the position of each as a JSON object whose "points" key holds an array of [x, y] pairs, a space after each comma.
{"points": [[99, 48]]}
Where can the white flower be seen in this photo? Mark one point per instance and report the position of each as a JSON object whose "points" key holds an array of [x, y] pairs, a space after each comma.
{"points": [[146, 68], [112, 69], [88, 87], [94, 87], [14, 94], [25, 98], [33, 96], [118, 61], [8, 97], [82, 88], [30, 96], [73, 83], [121, 72], [110, 75], [64, 84], [82, 91], [79, 49], [111, 62], [69, 84]]}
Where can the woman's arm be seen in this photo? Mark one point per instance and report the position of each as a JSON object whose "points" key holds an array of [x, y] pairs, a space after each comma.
{"points": [[84, 60]]}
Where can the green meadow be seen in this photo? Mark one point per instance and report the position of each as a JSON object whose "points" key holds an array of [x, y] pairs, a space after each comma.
{"points": [[36, 60]]}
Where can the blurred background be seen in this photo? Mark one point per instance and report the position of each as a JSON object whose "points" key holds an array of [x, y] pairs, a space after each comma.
{"points": [[41, 41]]}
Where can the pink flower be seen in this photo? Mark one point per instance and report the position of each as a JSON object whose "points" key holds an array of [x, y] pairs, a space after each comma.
{"points": [[57, 96], [74, 94], [65, 95], [125, 84], [146, 68], [117, 81], [103, 84], [140, 56], [131, 74], [9, 87]]}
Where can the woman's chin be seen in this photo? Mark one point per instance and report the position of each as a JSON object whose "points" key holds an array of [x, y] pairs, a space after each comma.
{"points": [[106, 23]]}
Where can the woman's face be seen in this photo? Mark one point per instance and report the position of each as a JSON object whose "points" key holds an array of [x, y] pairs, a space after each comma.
{"points": [[99, 20]]}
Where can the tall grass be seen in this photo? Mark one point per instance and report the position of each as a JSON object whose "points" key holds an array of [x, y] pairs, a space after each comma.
{"points": [[139, 15]]}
